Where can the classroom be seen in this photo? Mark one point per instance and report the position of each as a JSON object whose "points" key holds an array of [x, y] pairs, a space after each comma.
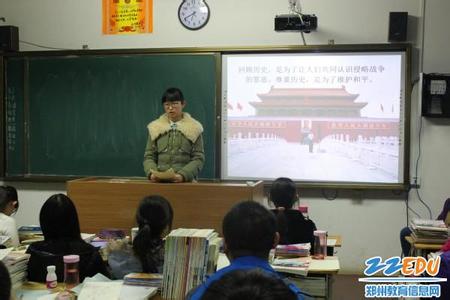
{"points": [[369, 220]]}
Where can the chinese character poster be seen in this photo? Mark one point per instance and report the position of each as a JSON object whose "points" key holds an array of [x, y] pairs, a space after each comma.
{"points": [[127, 16]]}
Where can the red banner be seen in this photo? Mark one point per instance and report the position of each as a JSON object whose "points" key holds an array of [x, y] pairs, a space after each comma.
{"points": [[127, 16]]}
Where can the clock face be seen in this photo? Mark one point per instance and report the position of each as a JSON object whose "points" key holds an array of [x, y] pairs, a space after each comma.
{"points": [[193, 14]]}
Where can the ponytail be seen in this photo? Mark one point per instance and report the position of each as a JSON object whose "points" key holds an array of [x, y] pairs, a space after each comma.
{"points": [[282, 225], [141, 244], [153, 216]]}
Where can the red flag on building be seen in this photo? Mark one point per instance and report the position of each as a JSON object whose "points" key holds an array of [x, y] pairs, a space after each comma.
{"points": [[239, 106]]}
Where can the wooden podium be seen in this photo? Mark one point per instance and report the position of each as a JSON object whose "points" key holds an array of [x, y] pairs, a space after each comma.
{"points": [[112, 202]]}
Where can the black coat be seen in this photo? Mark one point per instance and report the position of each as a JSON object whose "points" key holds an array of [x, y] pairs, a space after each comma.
{"points": [[46, 253], [295, 228]]}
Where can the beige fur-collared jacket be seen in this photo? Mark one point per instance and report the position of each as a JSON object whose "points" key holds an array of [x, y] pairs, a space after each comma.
{"points": [[180, 149]]}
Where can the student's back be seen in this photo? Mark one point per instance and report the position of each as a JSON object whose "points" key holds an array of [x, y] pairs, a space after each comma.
{"points": [[61, 229], [248, 284], [293, 227], [154, 216], [46, 253], [250, 232]]}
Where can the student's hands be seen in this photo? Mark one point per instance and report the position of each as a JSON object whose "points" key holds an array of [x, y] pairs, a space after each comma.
{"points": [[153, 178], [178, 178]]}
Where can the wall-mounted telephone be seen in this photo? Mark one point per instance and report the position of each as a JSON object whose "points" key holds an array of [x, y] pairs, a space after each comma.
{"points": [[435, 95]]}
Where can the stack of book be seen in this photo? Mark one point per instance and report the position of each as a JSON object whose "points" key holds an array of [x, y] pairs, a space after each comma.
{"points": [[297, 265], [189, 255], [428, 231], [30, 233], [5, 241], [293, 250], [143, 279], [17, 263], [111, 233]]}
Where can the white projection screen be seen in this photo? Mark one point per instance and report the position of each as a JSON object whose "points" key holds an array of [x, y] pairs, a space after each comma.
{"points": [[318, 117]]}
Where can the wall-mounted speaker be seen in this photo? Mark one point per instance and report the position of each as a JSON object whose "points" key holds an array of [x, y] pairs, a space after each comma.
{"points": [[9, 38], [398, 26]]}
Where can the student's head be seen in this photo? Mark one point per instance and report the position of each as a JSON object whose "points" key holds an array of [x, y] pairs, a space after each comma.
{"points": [[5, 283], [154, 216], [173, 102], [249, 284], [9, 203], [59, 218], [283, 193], [249, 229], [154, 213]]}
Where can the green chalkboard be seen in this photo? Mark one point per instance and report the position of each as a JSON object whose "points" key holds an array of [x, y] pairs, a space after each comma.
{"points": [[87, 115]]}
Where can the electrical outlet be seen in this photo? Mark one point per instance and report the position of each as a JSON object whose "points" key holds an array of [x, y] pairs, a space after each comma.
{"points": [[415, 183]]}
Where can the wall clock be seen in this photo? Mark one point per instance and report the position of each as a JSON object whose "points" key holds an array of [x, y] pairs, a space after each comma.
{"points": [[193, 14]]}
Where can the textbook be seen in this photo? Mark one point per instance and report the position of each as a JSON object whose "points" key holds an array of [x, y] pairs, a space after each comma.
{"points": [[111, 233], [143, 279], [16, 262], [186, 256], [30, 233], [419, 238], [4, 239], [293, 250], [298, 266], [428, 225], [428, 231]]}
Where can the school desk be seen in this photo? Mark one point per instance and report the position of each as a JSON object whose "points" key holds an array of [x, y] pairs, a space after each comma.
{"points": [[422, 249], [319, 280]]}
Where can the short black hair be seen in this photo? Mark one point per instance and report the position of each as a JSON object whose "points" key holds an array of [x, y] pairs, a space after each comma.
{"points": [[59, 219], [249, 229], [172, 94], [5, 282], [249, 284], [8, 194], [283, 192]]}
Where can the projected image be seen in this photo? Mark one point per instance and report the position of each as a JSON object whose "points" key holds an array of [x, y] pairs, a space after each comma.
{"points": [[314, 117]]}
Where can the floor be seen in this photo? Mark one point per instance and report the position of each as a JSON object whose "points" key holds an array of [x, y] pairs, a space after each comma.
{"points": [[347, 287]]}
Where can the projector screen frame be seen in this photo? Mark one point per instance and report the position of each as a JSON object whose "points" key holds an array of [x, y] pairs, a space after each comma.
{"points": [[403, 183]]}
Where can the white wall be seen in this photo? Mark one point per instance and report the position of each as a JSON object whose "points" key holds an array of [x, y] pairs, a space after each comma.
{"points": [[368, 221]]}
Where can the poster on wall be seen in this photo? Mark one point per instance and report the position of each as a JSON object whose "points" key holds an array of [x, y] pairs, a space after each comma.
{"points": [[127, 16]]}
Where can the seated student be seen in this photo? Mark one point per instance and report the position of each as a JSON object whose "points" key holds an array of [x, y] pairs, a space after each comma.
{"points": [[444, 271], [8, 206], [154, 217], [61, 229], [292, 225], [406, 231], [5, 283], [249, 231], [251, 284]]}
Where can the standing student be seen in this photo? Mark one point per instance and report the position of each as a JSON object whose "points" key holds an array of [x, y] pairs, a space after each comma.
{"points": [[61, 229], [250, 232], [9, 204], [154, 217], [292, 225], [174, 142]]}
